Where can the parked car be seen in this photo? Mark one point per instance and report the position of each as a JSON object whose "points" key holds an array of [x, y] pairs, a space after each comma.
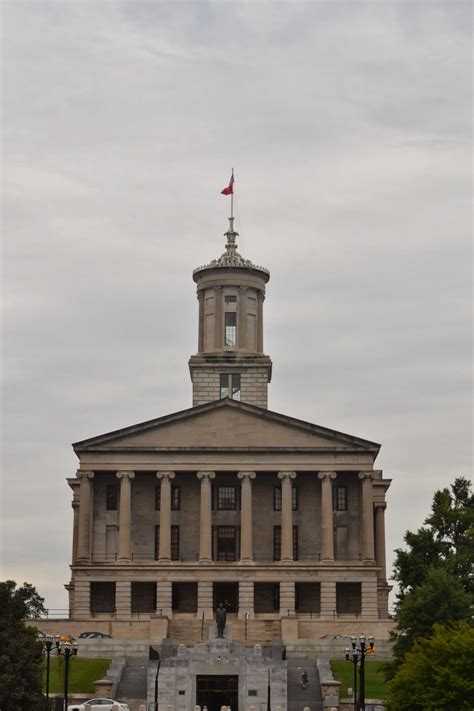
{"points": [[100, 705], [94, 635]]}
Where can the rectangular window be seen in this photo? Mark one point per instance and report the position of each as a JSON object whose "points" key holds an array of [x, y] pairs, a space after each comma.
{"points": [[229, 299], [224, 384], [175, 498], [339, 498], [226, 543], [174, 542], [235, 386], [102, 597], [144, 597], [226, 498], [277, 542], [230, 328], [277, 498], [111, 497], [230, 385]]}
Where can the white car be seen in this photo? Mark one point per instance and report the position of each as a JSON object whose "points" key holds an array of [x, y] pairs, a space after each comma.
{"points": [[100, 705]]}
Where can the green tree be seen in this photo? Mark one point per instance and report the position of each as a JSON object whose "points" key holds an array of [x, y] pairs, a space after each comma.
{"points": [[437, 674], [446, 540], [434, 572], [440, 599], [21, 656]]}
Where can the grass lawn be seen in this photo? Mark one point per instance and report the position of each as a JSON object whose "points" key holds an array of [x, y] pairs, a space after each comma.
{"points": [[82, 674], [374, 679]]}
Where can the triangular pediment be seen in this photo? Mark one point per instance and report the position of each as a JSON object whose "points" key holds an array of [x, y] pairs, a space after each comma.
{"points": [[225, 424]]}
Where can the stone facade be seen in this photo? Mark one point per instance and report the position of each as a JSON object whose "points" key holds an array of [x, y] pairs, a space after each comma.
{"points": [[281, 519], [179, 675]]}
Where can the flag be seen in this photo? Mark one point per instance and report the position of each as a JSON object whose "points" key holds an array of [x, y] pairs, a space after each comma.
{"points": [[229, 190]]}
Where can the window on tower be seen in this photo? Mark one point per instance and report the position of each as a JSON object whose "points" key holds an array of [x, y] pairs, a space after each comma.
{"points": [[230, 328], [230, 385]]}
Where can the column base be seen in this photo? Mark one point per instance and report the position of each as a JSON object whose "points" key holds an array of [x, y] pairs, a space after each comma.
{"points": [[286, 561], [368, 561], [327, 561], [163, 561], [246, 561], [123, 561], [205, 561]]}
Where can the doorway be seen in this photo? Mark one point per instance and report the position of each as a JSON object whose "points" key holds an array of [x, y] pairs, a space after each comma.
{"points": [[228, 594], [216, 691]]}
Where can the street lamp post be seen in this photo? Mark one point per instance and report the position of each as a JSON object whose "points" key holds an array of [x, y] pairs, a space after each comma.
{"points": [[68, 649], [48, 645], [366, 646]]}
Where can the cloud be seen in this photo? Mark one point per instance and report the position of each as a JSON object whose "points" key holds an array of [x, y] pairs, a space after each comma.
{"points": [[348, 125]]}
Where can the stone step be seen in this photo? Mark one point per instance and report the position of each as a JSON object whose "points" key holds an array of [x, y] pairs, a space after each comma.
{"points": [[133, 682], [298, 697]]}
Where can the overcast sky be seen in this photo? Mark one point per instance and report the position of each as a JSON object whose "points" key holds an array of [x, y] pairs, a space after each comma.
{"points": [[348, 125]]}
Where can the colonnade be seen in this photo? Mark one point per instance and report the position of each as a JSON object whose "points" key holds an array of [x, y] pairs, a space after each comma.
{"points": [[372, 541]]}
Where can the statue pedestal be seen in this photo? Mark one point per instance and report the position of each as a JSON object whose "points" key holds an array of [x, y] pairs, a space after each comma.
{"points": [[213, 634]]}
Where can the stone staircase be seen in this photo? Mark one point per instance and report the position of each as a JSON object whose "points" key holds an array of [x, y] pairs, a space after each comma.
{"points": [[297, 697], [132, 686], [188, 631], [258, 631]]}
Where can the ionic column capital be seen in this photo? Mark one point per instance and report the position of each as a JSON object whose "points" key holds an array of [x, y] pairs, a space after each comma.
{"points": [[206, 475], [379, 506], [200, 294], [243, 289], [246, 475], [165, 475], [366, 475], [286, 475], [83, 475], [328, 476], [125, 475], [218, 289]]}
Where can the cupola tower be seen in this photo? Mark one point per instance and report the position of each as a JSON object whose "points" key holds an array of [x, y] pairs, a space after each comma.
{"points": [[230, 361]]}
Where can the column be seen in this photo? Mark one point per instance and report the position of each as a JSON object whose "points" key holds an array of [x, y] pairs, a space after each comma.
{"points": [[164, 553], [246, 537], [260, 299], [123, 599], [205, 600], [286, 516], [85, 504], [205, 523], [125, 517], [380, 540], [246, 600], [367, 522], [75, 530], [200, 296], [242, 318], [328, 600], [219, 320], [327, 523]]}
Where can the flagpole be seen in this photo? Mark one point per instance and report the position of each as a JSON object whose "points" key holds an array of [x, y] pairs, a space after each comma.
{"points": [[232, 197]]}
